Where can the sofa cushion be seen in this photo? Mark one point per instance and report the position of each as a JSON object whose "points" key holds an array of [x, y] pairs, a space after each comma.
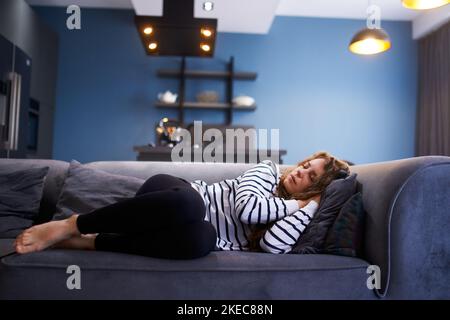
{"points": [[345, 237], [53, 182], [20, 198], [333, 198], [6, 247], [239, 275], [86, 189]]}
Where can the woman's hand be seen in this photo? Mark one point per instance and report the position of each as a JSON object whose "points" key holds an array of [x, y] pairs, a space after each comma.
{"points": [[302, 203]]}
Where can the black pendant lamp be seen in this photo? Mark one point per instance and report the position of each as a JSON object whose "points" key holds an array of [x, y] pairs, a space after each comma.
{"points": [[424, 4], [370, 41]]}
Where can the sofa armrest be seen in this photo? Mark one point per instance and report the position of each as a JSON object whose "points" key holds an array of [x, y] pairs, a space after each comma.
{"points": [[407, 226]]}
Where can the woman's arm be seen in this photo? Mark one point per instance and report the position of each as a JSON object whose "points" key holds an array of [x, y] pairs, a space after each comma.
{"points": [[283, 235], [254, 201]]}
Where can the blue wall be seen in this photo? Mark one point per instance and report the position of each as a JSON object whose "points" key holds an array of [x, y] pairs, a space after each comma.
{"points": [[320, 96]]}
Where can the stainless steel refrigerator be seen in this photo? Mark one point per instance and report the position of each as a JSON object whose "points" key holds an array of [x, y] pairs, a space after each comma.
{"points": [[17, 132]]}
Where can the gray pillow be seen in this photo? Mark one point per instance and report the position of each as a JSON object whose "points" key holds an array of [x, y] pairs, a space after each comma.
{"points": [[332, 200], [86, 189], [20, 198]]}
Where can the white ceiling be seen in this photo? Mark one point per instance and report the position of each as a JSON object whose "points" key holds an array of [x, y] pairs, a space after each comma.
{"points": [[256, 16], [350, 9], [248, 16]]}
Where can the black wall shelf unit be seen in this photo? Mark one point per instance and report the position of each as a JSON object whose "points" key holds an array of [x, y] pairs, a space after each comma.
{"points": [[183, 74]]}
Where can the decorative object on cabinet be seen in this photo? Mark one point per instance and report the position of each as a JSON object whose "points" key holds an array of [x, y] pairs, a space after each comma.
{"points": [[183, 74], [165, 132]]}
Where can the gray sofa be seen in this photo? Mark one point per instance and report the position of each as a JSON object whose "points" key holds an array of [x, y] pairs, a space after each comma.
{"points": [[407, 236]]}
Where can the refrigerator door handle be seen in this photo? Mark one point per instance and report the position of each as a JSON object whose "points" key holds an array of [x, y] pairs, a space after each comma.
{"points": [[14, 111], [17, 110]]}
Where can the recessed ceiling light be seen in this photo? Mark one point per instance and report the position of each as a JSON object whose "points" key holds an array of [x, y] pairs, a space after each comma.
{"points": [[148, 30], [206, 32], [208, 6], [153, 46], [205, 47]]}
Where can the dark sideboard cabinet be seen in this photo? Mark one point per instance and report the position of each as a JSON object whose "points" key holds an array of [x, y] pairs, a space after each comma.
{"points": [[164, 153], [28, 69]]}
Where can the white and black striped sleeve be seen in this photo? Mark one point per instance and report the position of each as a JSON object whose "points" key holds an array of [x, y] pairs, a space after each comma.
{"points": [[255, 202], [283, 235]]}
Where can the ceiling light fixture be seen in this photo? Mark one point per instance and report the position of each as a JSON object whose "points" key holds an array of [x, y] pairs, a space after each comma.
{"points": [[372, 39], [208, 6], [177, 32], [206, 32], [424, 4], [205, 47], [148, 30], [153, 46]]}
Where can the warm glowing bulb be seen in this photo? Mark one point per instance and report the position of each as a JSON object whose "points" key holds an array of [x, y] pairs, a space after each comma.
{"points": [[370, 46], [205, 47], [148, 30], [165, 119], [424, 4], [153, 46], [206, 32]]}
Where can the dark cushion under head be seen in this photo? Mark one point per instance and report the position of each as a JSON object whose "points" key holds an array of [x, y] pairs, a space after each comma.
{"points": [[20, 198], [86, 189], [345, 237], [332, 200]]}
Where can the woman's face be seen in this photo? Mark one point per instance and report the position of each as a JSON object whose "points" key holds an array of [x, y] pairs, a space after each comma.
{"points": [[304, 176]]}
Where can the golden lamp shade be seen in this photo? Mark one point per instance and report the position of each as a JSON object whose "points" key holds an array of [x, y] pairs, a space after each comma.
{"points": [[424, 4], [370, 41]]}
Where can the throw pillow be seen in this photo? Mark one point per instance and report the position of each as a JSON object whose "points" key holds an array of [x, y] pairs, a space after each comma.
{"points": [[345, 237], [20, 197], [86, 189], [332, 200]]}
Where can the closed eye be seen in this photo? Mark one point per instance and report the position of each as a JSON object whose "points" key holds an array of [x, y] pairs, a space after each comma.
{"points": [[313, 174]]}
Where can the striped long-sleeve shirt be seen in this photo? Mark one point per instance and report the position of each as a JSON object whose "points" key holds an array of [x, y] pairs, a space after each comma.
{"points": [[233, 204]]}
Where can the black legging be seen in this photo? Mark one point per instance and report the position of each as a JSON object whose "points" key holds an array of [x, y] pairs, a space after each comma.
{"points": [[165, 219]]}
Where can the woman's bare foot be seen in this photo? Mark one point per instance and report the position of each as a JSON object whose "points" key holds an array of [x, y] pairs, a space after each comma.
{"points": [[81, 242], [42, 236]]}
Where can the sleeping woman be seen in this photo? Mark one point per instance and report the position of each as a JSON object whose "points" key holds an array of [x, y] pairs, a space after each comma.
{"points": [[172, 218]]}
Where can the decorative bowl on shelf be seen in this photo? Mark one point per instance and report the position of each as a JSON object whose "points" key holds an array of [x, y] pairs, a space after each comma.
{"points": [[243, 101], [208, 96]]}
